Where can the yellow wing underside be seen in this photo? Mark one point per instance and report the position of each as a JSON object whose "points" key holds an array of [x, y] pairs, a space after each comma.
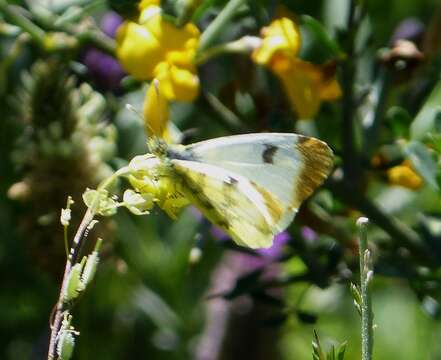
{"points": [[246, 212]]}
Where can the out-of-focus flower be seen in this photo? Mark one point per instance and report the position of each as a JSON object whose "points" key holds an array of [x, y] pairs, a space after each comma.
{"points": [[146, 3], [306, 84], [110, 23], [263, 257], [404, 175], [104, 69], [410, 29], [281, 37], [308, 234], [155, 48]]}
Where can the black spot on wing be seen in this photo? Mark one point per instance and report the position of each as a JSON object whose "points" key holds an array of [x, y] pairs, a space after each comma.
{"points": [[268, 153], [231, 181], [186, 154], [223, 224]]}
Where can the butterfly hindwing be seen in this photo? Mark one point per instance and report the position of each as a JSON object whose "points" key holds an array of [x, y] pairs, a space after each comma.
{"points": [[241, 208]]}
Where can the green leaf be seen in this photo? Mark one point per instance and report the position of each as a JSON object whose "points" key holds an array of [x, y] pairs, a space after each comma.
{"points": [[331, 354], [428, 118], [100, 203], [317, 352], [317, 44], [73, 284], [423, 162], [341, 350]]}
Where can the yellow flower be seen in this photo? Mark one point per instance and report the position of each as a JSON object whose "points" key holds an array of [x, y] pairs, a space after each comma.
{"points": [[154, 47], [404, 175], [177, 83], [306, 84], [147, 3], [281, 37]]}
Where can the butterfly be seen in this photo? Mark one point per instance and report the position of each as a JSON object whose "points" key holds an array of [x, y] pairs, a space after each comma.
{"points": [[249, 185]]}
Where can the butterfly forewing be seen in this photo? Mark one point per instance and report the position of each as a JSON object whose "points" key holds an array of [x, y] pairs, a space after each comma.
{"points": [[288, 166]]}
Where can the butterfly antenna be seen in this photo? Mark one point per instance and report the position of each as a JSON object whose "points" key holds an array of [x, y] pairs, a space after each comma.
{"points": [[138, 114]]}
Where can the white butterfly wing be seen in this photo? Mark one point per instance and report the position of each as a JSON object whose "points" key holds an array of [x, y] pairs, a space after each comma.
{"points": [[231, 201], [286, 167]]}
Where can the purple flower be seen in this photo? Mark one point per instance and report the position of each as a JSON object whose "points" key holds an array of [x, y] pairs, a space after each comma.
{"points": [[308, 234], [264, 258], [110, 23], [275, 251], [410, 29], [105, 70]]}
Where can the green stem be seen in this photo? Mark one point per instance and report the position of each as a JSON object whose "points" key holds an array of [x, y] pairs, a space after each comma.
{"points": [[218, 25], [86, 36], [366, 304], [9, 59], [224, 115], [16, 18], [73, 256], [244, 45], [66, 245], [351, 165]]}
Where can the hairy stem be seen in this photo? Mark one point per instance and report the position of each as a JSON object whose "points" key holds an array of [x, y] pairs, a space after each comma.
{"points": [[366, 304], [72, 258]]}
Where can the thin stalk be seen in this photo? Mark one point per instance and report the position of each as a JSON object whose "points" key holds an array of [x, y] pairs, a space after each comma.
{"points": [[218, 25], [350, 155], [72, 258], [245, 45], [61, 305], [367, 337]]}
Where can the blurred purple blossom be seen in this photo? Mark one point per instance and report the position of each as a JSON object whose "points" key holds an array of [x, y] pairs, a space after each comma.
{"points": [[411, 29], [110, 23], [308, 234], [275, 251], [104, 69], [264, 258]]}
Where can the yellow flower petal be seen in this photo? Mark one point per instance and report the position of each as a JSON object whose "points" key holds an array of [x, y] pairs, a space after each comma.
{"points": [[138, 50], [156, 111], [282, 36], [147, 3], [306, 84], [404, 175], [177, 83]]}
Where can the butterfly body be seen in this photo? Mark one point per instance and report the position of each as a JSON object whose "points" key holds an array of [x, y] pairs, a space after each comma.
{"points": [[249, 185]]}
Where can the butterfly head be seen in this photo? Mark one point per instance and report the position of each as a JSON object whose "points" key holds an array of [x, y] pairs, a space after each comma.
{"points": [[157, 146]]}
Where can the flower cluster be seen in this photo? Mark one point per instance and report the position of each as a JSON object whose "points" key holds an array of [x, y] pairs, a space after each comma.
{"points": [[153, 47], [306, 84]]}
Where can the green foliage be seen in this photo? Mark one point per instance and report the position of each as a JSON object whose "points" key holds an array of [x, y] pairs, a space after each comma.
{"points": [[333, 354]]}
